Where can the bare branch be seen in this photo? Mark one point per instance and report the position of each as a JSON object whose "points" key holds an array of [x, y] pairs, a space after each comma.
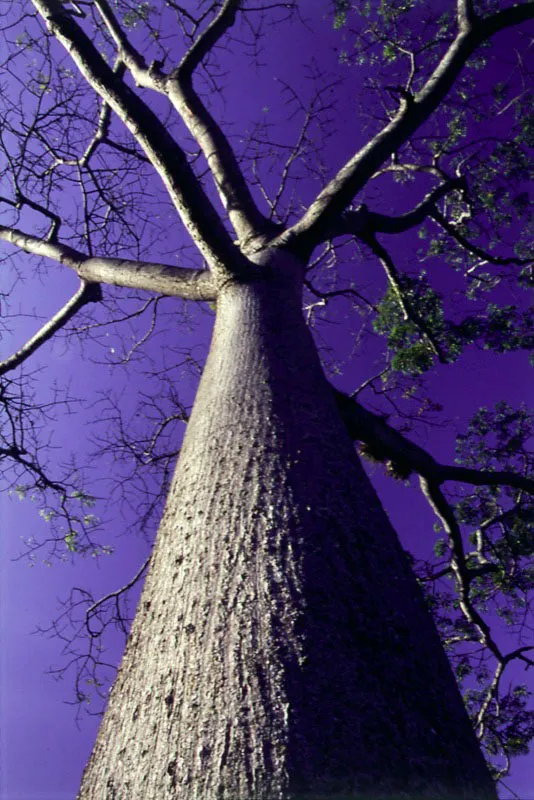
{"points": [[348, 292], [445, 513], [94, 608], [127, 52], [87, 293], [484, 477], [235, 195], [413, 111], [190, 284], [364, 221], [389, 444], [205, 43], [191, 201], [22, 200], [382, 223], [246, 219], [451, 229]]}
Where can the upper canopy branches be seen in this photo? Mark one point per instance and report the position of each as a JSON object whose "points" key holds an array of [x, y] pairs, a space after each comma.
{"points": [[153, 59], [172, 61], [413, 111], [177, 85], [166, 156]]}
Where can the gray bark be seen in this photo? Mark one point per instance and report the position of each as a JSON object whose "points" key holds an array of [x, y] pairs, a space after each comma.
{"points": [[281, 648], [191, 284]]}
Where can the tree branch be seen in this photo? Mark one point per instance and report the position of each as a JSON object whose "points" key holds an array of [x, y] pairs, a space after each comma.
{"points": [[412, 113], [407, 309], [95, 607], [485, 477], [22, 200], [190, 199], [366, 222], [460, 569], [449, 228], [87, 293], [42, 481], [190, 284], [129, 56], [233, 190], [387, 444], [246, 219], [465, 13]]}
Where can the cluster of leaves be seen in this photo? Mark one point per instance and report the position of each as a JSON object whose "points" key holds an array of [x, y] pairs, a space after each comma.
{"points": [[503, 518], [498, 328], [497, 438], [508, 724], [501, 328], [412, 352], [138, 13], [341, 8], [500, 177], [384, 36]]}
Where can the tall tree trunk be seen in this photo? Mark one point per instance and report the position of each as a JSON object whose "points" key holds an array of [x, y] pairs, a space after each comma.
{"points": [[281, 647]]}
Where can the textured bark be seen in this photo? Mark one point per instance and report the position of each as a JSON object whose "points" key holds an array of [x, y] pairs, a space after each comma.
{"points": [[191, 284], [281, 647]]}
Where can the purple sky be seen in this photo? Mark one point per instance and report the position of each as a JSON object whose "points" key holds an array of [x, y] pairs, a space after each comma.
{"points": [[43, 751]]}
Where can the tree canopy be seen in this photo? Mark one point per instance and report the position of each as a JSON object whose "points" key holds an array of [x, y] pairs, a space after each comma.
{"points": [[124, 121]]}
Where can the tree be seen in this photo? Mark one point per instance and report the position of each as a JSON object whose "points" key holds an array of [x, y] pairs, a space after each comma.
{"points": [[282, 646]]}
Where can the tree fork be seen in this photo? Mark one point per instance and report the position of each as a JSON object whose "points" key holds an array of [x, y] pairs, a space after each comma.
{"points": [[282, 649]]}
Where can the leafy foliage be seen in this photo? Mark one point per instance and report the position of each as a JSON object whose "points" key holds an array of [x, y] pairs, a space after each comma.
{"points": [[412, 353], [499, 328]]}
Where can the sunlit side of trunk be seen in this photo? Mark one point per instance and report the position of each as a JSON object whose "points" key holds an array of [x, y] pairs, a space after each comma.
{"points": [[281, 647]]}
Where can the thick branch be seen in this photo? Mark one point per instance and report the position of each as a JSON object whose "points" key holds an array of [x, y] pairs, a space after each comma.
{"points": [[190, 284], [235, 195], [412, 113], [191, 201], [485, 477], [382, 223], [366, 222], [87, 293], [247, 221], [465, 12], [127, 52], [390, 445]]}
